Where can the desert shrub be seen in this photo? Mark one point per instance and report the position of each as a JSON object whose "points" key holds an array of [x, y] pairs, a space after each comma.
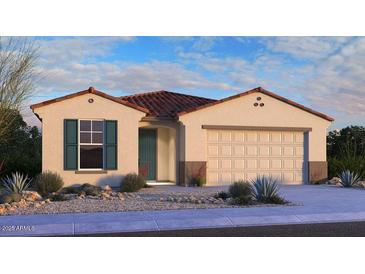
{"points": [[241, 192], [48, 182], [348, 178], [16, 183], [337, 164], [10, 198], [265, 189], [197, 181], [222, 195], [132, 183]]}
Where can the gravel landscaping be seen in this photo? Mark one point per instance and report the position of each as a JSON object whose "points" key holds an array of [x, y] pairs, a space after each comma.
{"points": [[153, 198]]}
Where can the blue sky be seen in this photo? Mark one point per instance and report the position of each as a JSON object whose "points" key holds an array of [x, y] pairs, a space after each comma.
{"points": [[325, 73]]}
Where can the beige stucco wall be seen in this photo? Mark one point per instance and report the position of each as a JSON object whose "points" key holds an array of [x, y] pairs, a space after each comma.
{"points": [[241, 112], [53, 116], [166, 148]]}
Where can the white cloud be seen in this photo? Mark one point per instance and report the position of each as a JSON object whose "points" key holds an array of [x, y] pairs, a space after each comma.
{"points": [[312, 48]]}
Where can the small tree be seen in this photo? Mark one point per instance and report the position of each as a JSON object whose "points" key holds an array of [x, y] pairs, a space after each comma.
{"points": [[17, 75]]}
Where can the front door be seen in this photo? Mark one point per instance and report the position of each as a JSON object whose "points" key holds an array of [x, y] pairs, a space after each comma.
{"points": [[147, 153]]}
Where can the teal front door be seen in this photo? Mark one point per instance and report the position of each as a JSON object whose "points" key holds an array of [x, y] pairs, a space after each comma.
{"points": [[147, 153]]}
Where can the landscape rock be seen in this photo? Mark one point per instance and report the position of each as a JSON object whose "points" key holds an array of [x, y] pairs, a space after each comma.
{"points": [[2, 210], [105, 195], [334, 181], [107, 188], [91, 189], [31, 196]]}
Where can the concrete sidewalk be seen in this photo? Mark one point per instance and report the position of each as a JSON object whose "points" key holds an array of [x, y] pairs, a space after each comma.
{"points": [[321, 204]]}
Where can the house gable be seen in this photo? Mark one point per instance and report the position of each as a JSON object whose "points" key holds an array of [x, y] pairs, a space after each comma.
{"points": [[262, 91], [89, 91]]}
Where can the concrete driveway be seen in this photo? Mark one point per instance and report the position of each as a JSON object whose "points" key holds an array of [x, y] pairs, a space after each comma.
{"points": [[316, 204]]}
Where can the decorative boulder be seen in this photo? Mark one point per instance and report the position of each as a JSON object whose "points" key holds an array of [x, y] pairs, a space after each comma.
{"points": [[31, 196], [334, 181], [91, 190], [107, 188]]}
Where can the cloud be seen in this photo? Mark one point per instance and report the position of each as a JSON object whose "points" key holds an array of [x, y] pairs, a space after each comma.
{"points": [[149, 76], [56, 51], [311, 48]]}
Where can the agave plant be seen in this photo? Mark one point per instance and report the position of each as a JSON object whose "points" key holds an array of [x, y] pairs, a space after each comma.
{"points": [[17, 183], [265, 189], [348, 178]]}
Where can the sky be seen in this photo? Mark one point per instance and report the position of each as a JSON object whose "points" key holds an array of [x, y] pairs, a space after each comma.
{"points": [[323, 73]]}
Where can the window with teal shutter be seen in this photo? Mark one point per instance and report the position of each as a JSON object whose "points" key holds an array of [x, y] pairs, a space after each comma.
{"points": [[70, 144], [111, 129]]}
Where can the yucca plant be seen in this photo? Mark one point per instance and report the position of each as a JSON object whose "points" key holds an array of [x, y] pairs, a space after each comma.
{"points": [[349, 179], [17, 183], [265, 189]]}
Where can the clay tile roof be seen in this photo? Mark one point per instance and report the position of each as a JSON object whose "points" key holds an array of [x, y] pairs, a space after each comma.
{"points": [[166, 104]]}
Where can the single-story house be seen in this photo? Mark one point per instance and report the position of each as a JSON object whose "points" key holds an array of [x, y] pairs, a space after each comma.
{"points": [[93, 137]]}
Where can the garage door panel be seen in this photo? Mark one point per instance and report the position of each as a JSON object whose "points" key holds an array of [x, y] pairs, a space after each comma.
{"points": [[276, 164], [288, 151], [251, 163], [275, 150], [264, 150], [225, 163], [299, 138], [239, 164], [299, 151], [264, 137], [213, 150], [275, 137], [251, 150], [244, 154], [288, 137], [264, 164], [251, 137], [238, 150], [213, 136], [225, 136], [213, 178], [213, 163], [225, 150]]}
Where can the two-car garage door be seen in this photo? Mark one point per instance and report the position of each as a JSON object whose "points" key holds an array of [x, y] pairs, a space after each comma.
{"points": [[244, 154]]}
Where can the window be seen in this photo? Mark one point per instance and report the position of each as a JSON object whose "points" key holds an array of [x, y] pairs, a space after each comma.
{"points": [[91, 136]]}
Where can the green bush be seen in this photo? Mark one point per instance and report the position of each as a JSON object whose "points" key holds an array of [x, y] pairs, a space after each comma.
{"points": [[132, 183], [197, 181], [17, 183], [241, 192], [48, 182], [349, 179], [337, 164], [265, 190]]}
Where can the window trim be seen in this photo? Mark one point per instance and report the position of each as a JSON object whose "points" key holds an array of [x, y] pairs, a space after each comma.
{"points": [[90, 144]]}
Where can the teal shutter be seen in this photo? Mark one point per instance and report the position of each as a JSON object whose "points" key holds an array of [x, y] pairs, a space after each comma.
{"points": [[111, 140], [70, 144]]}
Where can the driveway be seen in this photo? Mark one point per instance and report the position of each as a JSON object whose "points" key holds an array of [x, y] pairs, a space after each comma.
{"points": [[316, 204]]}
